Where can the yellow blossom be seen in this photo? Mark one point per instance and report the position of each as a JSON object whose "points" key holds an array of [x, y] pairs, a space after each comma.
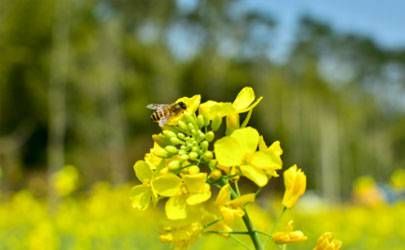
{"points": [[181, 236], [295, 185], [142, 195], [327, 242], [289, 236], [240, 149], [232, 209], [189, 190], [65, 181]]}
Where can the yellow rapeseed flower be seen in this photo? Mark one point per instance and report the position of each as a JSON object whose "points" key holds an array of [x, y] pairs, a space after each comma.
{"points": [[295, 184], [327, 242], [232, 209], [240, 149], [289, 236]]}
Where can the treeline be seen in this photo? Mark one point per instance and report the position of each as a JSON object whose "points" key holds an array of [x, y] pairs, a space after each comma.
{"points": [[75, 77]]}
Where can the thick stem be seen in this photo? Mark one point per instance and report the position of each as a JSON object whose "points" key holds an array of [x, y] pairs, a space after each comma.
{"points": [[251, 232]]}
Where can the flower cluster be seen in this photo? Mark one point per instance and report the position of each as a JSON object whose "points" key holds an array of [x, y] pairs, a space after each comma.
{"points": [[190, 170]]}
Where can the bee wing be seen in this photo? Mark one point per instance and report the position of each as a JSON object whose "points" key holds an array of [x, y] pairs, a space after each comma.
{"points": [[163, 121], [154, 106]]}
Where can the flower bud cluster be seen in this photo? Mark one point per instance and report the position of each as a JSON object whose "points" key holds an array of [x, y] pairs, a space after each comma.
{"points": [[187, 145]]}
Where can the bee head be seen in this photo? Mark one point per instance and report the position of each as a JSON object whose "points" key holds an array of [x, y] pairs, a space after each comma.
{"points": [[182, 105]]}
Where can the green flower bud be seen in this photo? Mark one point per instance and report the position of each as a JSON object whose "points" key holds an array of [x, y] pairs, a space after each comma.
{"points": [[191, 126], [215, 174], [175, 141], [183, 125], [160, 139], [183, 152], [173, 165], [185, 164], [193, 169], [209, 136], [195, 149], [171, 149], [208, 155], [201, 135], [161, 153], [200, 121], [169, 133], [204, 145], [181, 135], [190, 118], [193, 155], [184, 156], [212, 164]]}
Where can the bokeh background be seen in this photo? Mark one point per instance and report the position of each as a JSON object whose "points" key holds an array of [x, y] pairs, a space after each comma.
{"points": [[75, 77]]}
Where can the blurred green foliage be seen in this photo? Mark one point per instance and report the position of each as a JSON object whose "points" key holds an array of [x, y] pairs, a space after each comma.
{"points": [[92, 66]]}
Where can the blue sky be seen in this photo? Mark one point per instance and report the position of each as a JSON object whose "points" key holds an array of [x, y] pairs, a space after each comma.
{"points": [[384, 21]]}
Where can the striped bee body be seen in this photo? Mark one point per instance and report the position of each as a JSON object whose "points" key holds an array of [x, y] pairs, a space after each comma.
{"points": [[163, 112]]}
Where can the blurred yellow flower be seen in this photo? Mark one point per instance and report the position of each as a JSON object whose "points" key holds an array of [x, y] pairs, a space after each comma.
{"points": [[289, 236], [397, 179], [232, 209], [181, 236], [327, 242], [65, 180], [366, 192], [295, 184]]}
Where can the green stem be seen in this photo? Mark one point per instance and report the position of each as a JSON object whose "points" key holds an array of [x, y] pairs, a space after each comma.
{"points": [[251, 232]]}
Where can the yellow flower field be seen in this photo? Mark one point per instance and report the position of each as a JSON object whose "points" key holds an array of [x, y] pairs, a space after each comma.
{"points": [[104, 219]]}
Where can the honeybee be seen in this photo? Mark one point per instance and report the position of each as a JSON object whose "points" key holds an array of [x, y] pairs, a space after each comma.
{"points": [[163, 112]]}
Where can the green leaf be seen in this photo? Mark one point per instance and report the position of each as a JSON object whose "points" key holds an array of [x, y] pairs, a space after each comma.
{"points": [[141, 197], [248, 138], [167, 185], [142, 171], [254, 174], [228, 151], [176, 208]]}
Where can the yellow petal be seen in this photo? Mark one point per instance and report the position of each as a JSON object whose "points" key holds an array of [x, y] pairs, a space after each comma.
{"points": [[176, 208], [327, 242], [197, 198], [289, 237], [142, 171], [167, 185], [195, 183], [242, 200], [224, 195], [276, 148], [211, 109], [232, 123], [254, 174], [228, 151], [231, 214], [248, 139], [295, 185], [245, 97], [141, 197], [267, 161], [192, 103]]}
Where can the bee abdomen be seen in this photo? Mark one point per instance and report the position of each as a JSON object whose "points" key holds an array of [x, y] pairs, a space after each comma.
{"points": [[155, 116]]}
